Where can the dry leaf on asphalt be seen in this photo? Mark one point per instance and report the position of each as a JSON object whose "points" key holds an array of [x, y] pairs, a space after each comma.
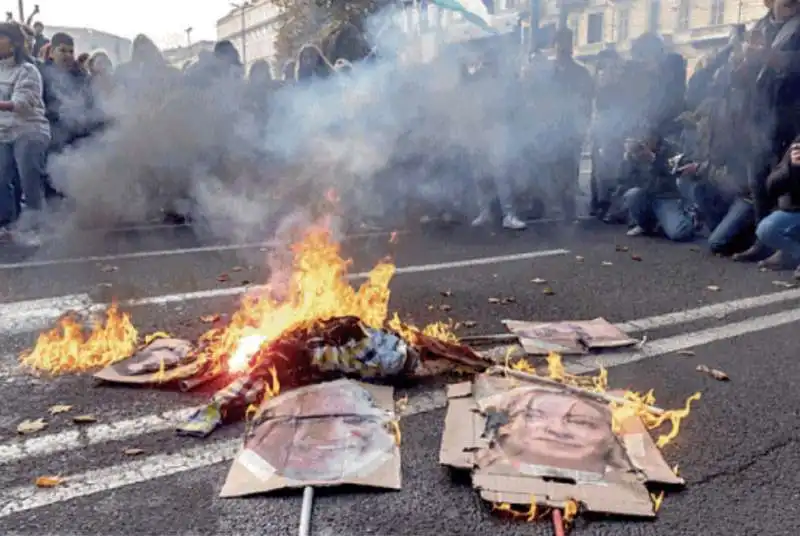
{"points": [[49, 481], [713, 288], [579, 258], [636, 258], [509, 299], [607, 263], [59, 408], [108, 268], [549, 292], [446, 293], [714, 373], [539, 281], [696, 249], [619, 247], [687, 353], [469, 323], [784, 284], [223, 278], [209, 319], [29, 426], [237, 269], [84, 419], [444, 307], [133, 452], [494, 300]]}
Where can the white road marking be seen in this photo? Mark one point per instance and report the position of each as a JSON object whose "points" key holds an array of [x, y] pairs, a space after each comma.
{"points": [[28, 497], [685, 341], [24, 498], [33, 318]]}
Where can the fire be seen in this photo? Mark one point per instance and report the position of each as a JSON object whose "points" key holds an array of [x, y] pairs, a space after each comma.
{"points": [[317, 289], [68, 347]]}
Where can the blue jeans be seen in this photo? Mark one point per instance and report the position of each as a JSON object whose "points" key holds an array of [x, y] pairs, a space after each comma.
{"points": [[781, 231], [22, 171], [727, 220], [650, 212]]}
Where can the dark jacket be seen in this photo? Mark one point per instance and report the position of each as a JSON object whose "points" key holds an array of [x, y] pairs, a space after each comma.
{"points": [[783, 183], [656, 177], [69, 104]]}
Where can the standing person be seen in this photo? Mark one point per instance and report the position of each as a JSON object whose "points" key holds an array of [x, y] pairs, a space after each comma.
{"points": [[39, 39], [574, 86], [24, 136]]}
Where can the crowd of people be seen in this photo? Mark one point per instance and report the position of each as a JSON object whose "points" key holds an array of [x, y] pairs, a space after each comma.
{"points": [[718, 153]]}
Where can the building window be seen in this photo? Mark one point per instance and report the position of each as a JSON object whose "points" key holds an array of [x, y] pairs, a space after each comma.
{"points": [[654, 17], [594, 28], [684, 10], [623, 24], [717, 12]]}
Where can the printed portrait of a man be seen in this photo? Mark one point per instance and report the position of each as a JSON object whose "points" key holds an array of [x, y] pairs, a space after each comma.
{"points": [[554, 432], [324, 433]]}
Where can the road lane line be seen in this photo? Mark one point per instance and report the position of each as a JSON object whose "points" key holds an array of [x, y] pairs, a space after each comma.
{"points": [[32, 318], [24, 498]]}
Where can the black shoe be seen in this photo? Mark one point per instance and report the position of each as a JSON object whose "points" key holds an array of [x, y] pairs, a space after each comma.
{"points": [[778, 262]]}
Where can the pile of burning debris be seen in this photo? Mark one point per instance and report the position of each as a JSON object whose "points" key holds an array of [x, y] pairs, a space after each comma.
{"points": [[308, 365]]}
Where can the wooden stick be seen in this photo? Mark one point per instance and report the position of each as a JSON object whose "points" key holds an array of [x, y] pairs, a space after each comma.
{"points": [[305, 511], [558, 523], [489, 339], [604, 397]]}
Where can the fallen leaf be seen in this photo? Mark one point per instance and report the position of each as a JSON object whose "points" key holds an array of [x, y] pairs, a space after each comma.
{"points": [[539, 281], [619, 247], [636, 258], [31, 426], [444, 307], [607, 263], [784, 284], [49, 481], [237, 269], [84, 419], [209, 319], [469, 323], [509, 299], [696, 249], [133, 452], [549, 292], [579, 258], [494, 300], [687, 353], [430, 307], [446, 293], [223, 278], [108, 268], [59, 408], [714, 373], [245, 281], [713, 288]]}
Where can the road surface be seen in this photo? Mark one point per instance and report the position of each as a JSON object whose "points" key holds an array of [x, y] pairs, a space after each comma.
{"points": [[738, 450]]}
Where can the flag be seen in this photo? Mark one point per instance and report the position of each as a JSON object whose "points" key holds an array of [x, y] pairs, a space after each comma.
{"points": [[473, 10]]}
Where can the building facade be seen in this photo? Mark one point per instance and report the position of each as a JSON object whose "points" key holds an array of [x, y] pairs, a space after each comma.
{"points": [[88, 40], [180, 57], [250, 27]]}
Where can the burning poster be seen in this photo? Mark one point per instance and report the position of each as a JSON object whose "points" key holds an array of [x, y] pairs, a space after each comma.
{"points": [[163, 360], [552, 443], [568, 338], [328, 434]]}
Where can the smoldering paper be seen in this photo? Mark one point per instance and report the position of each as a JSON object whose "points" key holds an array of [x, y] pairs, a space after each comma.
{"points": [[327, 434], [524, 440]]}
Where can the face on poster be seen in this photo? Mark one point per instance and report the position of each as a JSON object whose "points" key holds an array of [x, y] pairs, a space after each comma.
{"points": [[325, 433], [556, 432]]}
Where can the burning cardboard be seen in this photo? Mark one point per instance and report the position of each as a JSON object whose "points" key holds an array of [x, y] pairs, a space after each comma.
{"points": [[328, 434], [568, 338], [163, 360], [528, 440]]}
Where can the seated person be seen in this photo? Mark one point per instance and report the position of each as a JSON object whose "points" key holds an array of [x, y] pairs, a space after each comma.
{"points": [[654, 204], [780, 230]]}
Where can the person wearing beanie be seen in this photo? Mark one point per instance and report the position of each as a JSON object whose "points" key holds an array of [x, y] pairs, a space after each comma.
{"points": [[24, 137]]}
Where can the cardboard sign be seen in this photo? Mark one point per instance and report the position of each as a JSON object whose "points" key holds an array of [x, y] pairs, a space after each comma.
{"points": [[568, 338], [326, 434], [172, 356], [524, 441]]}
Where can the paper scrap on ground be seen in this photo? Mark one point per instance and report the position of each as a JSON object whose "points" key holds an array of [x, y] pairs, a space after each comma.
{"points": [[568, 338]]}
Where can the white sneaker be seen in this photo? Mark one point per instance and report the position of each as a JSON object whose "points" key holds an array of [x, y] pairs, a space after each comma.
{"points": [[484, 218], [510, 221], [635, 231]]}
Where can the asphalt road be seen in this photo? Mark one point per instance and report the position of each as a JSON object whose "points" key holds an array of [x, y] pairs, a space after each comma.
{"points": [[737, 450]]}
